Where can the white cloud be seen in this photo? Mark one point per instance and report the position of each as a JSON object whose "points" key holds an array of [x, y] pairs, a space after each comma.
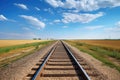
{"points": [[57, 21], [26, 28], [118, 23], [65, 26], [85, 5], [55, 3], [3, 18], [83, 18], [49, 10], [51, 23], [23, 6], [113, 32], [26, 35], [38, 9], [34, 21], [93, 27], [116, 28]]}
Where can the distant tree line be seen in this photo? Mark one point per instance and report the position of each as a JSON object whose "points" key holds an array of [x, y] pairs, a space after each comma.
{"points": [[36, 38], [44, 39]]}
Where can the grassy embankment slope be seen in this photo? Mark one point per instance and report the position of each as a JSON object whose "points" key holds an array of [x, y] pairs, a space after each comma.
{"points": [[12, 50], [107, 51]]}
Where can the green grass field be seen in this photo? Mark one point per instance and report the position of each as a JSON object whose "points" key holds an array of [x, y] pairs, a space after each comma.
{"points": [[9, 48], [7, 51], [108, 57]]}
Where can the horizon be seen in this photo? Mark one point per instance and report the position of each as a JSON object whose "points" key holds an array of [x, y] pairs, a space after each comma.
{"points": [[63, 19]]}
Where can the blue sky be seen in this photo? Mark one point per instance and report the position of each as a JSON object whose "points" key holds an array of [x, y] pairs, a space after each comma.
{"points": [[60, 19]]}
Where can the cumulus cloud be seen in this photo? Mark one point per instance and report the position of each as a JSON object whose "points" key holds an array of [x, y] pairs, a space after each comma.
{"points": [[55, 3], [93, 27], [26, 28], [65, 26], [116, 28], [38, 9], [23, 6], [27, 35], [82, 18], [57, 21], [34, 21], [49, 10], [118, 23], [3, 18], [85, 5]]}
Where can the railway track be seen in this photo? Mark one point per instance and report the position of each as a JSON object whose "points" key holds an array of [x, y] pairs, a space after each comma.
{"points": [[59, 64]]}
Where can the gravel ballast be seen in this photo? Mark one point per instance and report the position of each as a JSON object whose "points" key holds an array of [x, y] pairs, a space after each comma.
{"points": [[20, 68], [105, 71]]}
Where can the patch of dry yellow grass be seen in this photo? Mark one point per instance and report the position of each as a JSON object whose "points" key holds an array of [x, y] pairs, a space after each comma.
{"points": [[15, 52], [4, 43], [115, 44]]}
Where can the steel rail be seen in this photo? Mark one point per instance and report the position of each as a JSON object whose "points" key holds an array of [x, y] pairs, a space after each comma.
{"points": [[84, 74], [42, 66], [39, 71]]}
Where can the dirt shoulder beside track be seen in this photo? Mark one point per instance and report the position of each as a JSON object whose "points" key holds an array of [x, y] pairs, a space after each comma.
{"points": [[20, 68], [109, 73]]}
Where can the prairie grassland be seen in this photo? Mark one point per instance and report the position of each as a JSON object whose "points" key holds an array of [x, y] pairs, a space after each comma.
{"points": [[99, 50], [12, 53], [4, 43], [108, 44]]}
